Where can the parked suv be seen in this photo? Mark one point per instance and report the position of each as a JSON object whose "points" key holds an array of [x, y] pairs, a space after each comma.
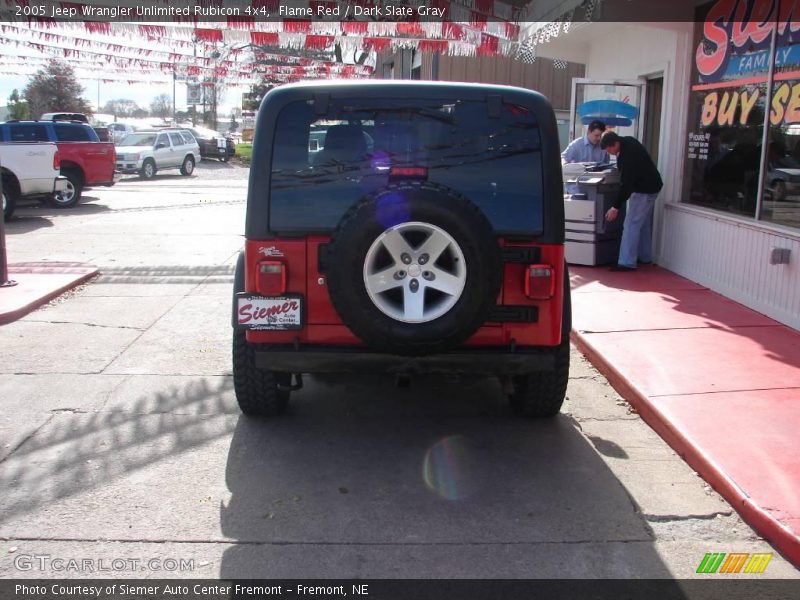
{"points": [[213, 144], [148, 151], [426, 235]]}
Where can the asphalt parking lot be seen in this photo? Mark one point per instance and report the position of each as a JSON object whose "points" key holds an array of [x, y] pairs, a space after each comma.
{"points": [[120, 438]]}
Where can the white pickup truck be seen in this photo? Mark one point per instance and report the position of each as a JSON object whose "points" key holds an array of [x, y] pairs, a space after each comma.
{"points": [[29, 169]]}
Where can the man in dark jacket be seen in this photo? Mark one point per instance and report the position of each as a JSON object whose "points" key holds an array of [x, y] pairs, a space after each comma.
{"points": [[641, 183]]}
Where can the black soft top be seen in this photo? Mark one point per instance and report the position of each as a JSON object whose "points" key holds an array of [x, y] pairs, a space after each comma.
{"points": [[321, 92]]}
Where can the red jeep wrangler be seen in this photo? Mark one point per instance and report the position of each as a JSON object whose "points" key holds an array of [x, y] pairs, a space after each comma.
{"points": [[403, 227]]}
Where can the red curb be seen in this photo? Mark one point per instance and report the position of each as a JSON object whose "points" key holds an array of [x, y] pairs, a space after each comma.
{"points": [[768, 527], [19, 300]]}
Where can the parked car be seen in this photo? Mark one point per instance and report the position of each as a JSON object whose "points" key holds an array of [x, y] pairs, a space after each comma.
{"points": [[64, 116], [119, 131], [148, 151], [29, 170], [783, 177], [438, 249], [85, 160], [213, 144]]}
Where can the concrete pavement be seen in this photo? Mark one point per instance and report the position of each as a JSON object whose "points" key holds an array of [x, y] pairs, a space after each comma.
{"points": [[719, 382], [121, 438]]}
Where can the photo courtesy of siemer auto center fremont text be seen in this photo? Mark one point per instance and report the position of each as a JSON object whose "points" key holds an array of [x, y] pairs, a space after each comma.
{"points": [[399, 299]]}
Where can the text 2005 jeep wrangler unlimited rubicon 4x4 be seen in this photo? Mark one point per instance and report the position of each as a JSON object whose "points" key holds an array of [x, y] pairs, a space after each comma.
{"points": [[403, 227]]}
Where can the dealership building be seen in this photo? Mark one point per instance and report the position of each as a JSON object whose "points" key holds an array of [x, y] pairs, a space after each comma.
{"points": [[718, 97]]}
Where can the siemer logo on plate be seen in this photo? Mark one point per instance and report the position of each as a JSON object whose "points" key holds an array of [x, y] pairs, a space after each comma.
{"points": [[257, 312]]}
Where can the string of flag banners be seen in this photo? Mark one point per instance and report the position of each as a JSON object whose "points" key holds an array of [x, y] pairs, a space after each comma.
{"points": [[454, 39], [489, 29], [169, 60], [264, 10]]}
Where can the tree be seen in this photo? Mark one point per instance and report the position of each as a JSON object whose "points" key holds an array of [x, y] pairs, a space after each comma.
{"points": [[161, 106], [17, 107], [55, 88], [121, 107], [233, 125]]}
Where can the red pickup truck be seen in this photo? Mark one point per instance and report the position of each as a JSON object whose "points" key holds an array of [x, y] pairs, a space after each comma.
{"points": [[85, 161]]}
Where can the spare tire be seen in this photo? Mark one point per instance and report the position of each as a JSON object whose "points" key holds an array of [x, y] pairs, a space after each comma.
{"points": [[414, 269]]}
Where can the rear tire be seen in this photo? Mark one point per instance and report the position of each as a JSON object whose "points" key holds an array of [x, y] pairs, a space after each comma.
{"points": [[9, 200], [187, 168], [71, 196], [148, 169], [541, 394], [256, 389]]}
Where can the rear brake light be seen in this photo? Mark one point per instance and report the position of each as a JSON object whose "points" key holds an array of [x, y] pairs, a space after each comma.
{"points": [[408, 172], [271, 280], [540, 282], [56, 161]]}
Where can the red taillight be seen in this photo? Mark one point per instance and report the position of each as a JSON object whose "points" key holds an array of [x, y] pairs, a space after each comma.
{"points": [[408, 172], [540, 282], [271, 280], [56, 161]]}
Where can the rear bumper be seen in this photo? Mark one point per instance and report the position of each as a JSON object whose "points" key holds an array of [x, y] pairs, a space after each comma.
{"points": [[358, 361], [106, 183], [129, 166]]}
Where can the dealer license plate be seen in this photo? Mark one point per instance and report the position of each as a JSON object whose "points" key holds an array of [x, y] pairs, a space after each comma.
{"points": [[275, 313]]}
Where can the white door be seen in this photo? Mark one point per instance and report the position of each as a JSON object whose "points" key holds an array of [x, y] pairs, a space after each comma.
{"points": [[619, 104]]}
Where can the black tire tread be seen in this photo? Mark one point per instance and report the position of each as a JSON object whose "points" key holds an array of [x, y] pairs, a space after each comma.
{"points": [[541, 394], [256, 389], [11, 190]]}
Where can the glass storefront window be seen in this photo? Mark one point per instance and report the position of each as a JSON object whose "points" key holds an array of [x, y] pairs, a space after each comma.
{"points": [[781, 202], [727, 110]]}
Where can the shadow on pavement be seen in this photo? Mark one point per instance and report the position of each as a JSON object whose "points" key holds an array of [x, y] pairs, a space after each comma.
{"points": [[86, 206], [363, 479], [21, 222], [213, 164], [81, 454]]}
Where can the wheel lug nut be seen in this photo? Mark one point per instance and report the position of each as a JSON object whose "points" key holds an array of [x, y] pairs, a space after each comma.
{"points": [[424, 259], [400, 275], [428, 275], [413, 285], [406, 258]]}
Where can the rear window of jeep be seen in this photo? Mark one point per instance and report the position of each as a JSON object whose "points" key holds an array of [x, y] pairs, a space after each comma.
{"points": [[323, 163]]}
